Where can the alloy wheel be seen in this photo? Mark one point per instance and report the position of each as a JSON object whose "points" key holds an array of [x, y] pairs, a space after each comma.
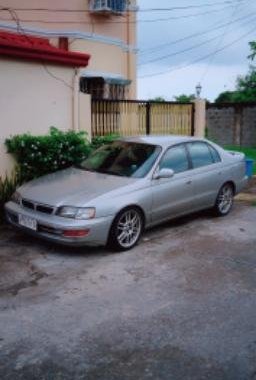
{"points": [[128, 228], [225, 199]]}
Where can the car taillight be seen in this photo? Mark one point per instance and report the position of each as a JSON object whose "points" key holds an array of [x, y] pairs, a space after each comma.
{"points": [[75, 233]]}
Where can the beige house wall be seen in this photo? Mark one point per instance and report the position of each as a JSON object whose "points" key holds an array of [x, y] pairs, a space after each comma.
{"points": [[103, 59], [110, 39], [32, 100], [79, 19]]}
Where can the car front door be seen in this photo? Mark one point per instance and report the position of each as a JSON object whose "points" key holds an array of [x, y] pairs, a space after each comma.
{"points": [[173, 196]]}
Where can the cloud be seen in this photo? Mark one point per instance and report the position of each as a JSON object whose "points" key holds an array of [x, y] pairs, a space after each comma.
{"points": [[219, 78], [225, 65]]}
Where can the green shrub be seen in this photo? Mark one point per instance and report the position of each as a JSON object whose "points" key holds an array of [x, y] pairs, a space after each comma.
{"points": [[98, 141], [39, 155], [7, 188]]}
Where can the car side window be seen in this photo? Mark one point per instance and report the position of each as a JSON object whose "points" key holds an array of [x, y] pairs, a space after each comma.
{"points": [[200, 154], [176, 159], [215, 154]]}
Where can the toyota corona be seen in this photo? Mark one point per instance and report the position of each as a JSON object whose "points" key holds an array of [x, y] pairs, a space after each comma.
{"points": [[128, 186]]}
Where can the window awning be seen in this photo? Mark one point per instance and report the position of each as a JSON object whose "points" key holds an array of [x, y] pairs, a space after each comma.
{"points": [[108, 78]]}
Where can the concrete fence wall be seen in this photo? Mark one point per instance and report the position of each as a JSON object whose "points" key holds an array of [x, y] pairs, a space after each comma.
{"points": [[232, 124]]}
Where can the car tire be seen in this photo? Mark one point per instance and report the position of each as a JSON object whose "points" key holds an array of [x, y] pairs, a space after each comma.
{"points": [[224, 200], [126, 229]]}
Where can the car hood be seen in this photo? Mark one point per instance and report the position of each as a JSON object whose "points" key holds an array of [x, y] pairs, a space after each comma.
{"points": [[74, 187]]}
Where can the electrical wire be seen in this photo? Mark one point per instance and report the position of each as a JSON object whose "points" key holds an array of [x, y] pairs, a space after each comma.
{"points": [[15, 18], [21, 31], [184, 50], [123, 22], [46, 68], [178, 52], [198, 59], [190, 6], [135, 10], [161, 46], [220, 42]]}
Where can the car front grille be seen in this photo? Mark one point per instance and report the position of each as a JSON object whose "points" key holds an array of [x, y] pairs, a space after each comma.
{"points": [[44, 209], [28, 204], [37, 206]]}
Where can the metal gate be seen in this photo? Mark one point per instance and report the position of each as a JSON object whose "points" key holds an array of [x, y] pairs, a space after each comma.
{"points": [[135, 117]]}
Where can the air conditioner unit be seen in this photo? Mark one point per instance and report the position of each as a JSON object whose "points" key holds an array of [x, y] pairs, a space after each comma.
{"points": [[108, 6]]}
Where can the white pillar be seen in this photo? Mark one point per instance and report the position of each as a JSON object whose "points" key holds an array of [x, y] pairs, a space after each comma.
{"points": [[85, 114], [200, 117]]}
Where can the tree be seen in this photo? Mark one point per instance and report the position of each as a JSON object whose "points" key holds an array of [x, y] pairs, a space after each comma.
{"points": [[184, 98], [157, 99], [245, 85], [225, 97], [253, 50], [245, 89]]}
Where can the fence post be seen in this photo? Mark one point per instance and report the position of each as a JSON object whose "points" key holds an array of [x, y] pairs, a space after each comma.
{"points": [[238, 119], [148, 118], [199, 118]]}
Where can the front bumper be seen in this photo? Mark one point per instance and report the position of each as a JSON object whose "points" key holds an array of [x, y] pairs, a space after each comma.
{"points": [[52, 227]]}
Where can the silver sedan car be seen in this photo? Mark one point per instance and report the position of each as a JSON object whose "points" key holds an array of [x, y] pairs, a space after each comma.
{"points": [[128, 186]]}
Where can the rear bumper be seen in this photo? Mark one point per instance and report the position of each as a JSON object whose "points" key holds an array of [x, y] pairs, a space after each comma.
{"points": [[240, 185], [52, 227]]}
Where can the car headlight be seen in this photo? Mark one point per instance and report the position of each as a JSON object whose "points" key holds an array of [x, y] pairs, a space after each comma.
{"points": [[76, 212], [16, 197]]}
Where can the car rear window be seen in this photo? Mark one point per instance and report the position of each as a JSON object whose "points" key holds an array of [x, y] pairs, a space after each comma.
{"points": [[214, 153], [200, 154]]}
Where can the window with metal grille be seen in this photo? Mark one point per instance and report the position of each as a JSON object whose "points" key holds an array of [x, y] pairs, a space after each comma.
{"points": [[99, 89], [116, 91], [93, 86]]}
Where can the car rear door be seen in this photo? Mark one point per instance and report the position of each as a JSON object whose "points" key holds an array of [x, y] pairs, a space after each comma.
{"points": [[173, 196], [207, 173]]}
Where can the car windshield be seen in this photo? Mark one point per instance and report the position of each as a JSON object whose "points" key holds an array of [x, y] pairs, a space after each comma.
{"points": [[121, 158]]}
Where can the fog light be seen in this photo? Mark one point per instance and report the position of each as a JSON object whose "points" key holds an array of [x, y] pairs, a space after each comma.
{"points": [[75, 233]]}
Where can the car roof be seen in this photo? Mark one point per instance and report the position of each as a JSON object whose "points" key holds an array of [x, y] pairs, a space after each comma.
{"points": [[161, 140]]}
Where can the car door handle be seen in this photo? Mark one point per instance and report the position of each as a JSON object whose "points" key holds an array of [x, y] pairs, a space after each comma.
{"points": [[189, 182]]}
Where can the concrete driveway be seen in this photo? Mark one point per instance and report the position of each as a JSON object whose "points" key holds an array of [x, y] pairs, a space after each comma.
{"points": [[181, 305]]}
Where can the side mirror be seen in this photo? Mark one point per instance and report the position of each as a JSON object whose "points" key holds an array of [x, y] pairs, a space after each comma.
{"points": [[164, 173]]}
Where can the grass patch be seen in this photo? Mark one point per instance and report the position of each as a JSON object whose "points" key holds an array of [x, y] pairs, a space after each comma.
{"points": [[249, 153]]}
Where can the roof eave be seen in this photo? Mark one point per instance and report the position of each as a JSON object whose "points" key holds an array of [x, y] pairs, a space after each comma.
{"points": [[40, 50], [73, 61]]}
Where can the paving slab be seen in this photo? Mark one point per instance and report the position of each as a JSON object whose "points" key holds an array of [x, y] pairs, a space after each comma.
{"points": [[181, 305]]}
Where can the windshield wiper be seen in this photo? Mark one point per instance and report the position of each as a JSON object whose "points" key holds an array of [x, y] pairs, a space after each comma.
{"points": [[111, 173], [83, 168]]}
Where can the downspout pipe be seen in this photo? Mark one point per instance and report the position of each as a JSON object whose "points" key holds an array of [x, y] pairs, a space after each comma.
{"points": [[76, 101]]}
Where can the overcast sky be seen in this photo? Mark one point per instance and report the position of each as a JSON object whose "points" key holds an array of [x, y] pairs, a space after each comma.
{"points": [[225, 25]]}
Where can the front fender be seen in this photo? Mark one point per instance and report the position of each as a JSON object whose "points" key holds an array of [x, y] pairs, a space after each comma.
{"points": [[141, 198]]}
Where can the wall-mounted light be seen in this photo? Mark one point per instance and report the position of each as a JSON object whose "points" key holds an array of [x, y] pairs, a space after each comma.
{"points": [[198, 90]]}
